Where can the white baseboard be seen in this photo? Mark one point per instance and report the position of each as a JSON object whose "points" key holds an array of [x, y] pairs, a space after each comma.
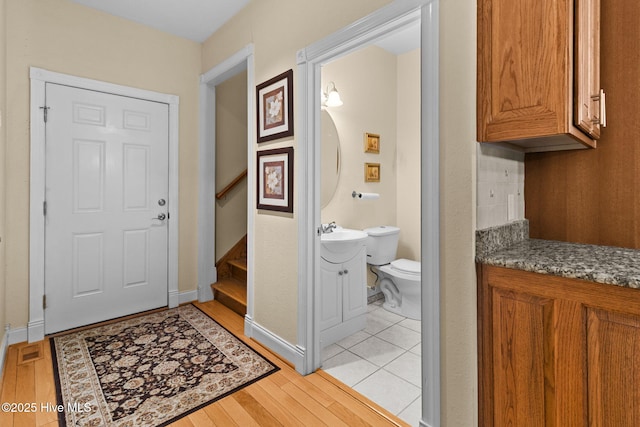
{"points": [[35, 330], [4, 343], [188, 296], [11, 336], [205, 293], [291, 353], [17, 335]]}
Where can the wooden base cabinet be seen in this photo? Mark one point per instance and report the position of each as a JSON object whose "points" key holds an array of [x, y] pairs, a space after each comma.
{"points": [[556, 352]]}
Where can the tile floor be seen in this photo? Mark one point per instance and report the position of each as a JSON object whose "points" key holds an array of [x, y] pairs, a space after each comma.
{"points": [[382, 362]]}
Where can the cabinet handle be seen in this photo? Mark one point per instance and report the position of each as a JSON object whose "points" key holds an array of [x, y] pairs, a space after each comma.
{"points": [[602, 100], [340, 273], [346, 271]]}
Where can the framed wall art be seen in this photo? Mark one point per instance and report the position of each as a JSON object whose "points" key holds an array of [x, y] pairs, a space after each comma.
{"points": [[275, 180], [371, 143], [372, 172], [274, 99]]}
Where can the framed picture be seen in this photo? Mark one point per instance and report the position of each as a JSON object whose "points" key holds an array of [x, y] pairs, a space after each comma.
{"points": [[371, 143], [275, 179], [274, 99], [372, 172]]}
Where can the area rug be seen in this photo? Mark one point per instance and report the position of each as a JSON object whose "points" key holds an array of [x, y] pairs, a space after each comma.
{"points": [[150, 370]]}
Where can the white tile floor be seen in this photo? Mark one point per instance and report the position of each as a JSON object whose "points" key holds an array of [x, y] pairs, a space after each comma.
{"points": [[382, 362]]}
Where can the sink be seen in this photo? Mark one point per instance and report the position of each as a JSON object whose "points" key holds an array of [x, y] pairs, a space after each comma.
{"points": [[341, 241]]}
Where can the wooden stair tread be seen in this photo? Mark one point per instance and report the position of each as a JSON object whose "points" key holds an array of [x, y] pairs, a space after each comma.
{"points": [[231, 293], [232, 288], [240, 263]]}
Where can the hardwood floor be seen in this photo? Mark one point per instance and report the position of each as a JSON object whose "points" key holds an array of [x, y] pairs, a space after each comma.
{"points": [[282, 399]]}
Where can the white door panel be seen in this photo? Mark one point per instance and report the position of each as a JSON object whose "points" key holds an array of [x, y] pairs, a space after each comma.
{"points": [[106, 171]]}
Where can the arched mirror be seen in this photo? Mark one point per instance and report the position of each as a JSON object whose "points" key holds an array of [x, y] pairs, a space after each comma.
{"points": [[330, 161]]}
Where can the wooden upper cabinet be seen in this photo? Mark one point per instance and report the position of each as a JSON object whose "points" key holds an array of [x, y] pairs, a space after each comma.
{"points": [[536, 60], [589, 103]]}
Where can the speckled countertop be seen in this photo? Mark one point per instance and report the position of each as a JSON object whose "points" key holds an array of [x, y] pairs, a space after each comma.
{"points": [[602, 264]]}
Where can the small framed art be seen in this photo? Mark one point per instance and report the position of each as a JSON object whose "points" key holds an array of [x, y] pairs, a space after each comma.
{"points": [[371, 143], [274, 99], [372, 172], [275, 180]]}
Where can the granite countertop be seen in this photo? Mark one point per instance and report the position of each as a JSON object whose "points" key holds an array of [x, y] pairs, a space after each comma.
{"points": [[509, 246]]}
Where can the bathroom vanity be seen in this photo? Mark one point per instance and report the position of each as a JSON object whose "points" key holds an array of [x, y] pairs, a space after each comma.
{"points": [[343, 293]]}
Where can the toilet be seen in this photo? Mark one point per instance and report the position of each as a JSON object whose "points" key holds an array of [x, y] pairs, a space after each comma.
{"points": [[399, 279]]}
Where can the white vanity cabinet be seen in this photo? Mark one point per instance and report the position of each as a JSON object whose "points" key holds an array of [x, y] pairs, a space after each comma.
{"points": [[343, 305]]}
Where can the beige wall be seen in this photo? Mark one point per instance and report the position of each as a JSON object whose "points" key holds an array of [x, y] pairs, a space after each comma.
{"points": [[231, 159], [3, 127], [278, 29], [408, 158], [392, 110], [64, 37], [364, 110], [458, 351]]}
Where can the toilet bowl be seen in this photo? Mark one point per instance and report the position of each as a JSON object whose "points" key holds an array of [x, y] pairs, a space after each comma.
{"points": [[400, 284], [399, 279]]}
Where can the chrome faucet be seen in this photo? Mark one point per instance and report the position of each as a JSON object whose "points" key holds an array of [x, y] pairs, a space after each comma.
{"points": [[328, 228]]}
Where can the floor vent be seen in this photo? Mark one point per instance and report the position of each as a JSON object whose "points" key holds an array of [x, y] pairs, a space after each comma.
{"points": [[30, 353]]}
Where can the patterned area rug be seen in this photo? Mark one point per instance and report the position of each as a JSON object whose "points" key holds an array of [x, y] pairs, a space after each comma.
{"points": [[150, 370]]}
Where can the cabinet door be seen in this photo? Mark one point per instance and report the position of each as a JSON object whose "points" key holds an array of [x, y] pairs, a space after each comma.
{"points": [[532, 357], [589, 100], [522, 366], [613, 349], [355, 286], [523, 66], [330, 294]]}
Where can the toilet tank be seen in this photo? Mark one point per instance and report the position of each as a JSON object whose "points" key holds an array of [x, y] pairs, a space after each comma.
{"points": [[382, 244]]}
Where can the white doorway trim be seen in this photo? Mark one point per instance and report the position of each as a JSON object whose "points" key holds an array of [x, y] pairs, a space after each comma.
{"points": [[392, 17], [39, 78], [207, 274]]}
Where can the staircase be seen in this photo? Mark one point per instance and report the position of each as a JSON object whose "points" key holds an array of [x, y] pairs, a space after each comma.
{"points": [[231, 287]]}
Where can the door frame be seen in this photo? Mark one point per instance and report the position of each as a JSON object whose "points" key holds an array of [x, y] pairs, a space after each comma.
{"points": [[385, 20], [39, 78], [207, 273]]}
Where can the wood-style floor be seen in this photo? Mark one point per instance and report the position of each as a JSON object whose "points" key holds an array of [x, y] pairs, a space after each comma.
{"points": [[281, 399]]}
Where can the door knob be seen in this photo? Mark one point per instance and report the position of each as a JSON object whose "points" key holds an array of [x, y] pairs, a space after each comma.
{"points": [[162, 202], [161, 217]]}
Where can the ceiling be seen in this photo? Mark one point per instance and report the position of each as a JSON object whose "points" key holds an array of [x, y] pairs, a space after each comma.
{"points": [[191, 19], [402, 41], [197, 19]]}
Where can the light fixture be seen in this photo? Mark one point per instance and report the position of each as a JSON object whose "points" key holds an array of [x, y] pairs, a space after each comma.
{"points": [[331, 98]]}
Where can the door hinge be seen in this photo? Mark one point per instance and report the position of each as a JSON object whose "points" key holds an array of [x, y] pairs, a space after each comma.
{"points": [[44, 208], [44, 302], [45, 109]]}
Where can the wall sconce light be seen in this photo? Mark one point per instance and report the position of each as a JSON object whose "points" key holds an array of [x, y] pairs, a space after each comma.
{"points": [[331, 97]]}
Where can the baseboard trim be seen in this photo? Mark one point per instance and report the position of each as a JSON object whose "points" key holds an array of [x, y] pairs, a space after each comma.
{"points": [[17, 335], [4, 344], [289, 352], [205, 293], [188, 296]]}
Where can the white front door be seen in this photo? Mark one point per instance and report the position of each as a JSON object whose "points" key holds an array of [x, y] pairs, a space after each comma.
{"points": [[106, 236]]}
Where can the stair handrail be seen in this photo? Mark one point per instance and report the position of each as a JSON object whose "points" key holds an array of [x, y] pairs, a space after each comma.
{"points": [[232, 184]]}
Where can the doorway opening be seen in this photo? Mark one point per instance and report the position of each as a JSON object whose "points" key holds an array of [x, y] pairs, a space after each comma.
{"points": [[310, 61], [225, 183]]}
